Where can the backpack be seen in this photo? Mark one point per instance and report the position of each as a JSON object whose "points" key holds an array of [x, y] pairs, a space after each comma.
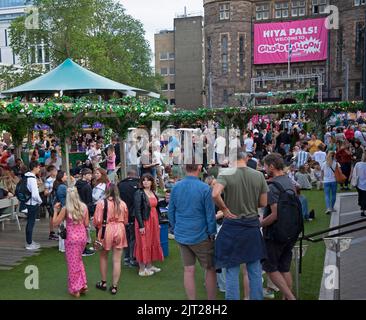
{"points": [[22, 192], [290, 222]]}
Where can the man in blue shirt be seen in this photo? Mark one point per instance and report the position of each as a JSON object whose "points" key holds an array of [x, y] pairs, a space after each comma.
{"points": [[192, 217]]}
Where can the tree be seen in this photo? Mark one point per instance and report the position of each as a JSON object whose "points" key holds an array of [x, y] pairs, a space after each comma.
{"points": [[98, 34]]}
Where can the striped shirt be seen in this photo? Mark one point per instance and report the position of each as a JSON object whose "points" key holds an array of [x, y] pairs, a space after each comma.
{"points": [[302, 158]]}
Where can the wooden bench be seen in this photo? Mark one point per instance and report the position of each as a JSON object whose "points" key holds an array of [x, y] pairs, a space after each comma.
{"points": [[12, 203]]}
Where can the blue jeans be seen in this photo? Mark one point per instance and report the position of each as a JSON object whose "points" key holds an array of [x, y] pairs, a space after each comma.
{"points": [[304, 206], [255, 281], [31, 220], [330, 189]]}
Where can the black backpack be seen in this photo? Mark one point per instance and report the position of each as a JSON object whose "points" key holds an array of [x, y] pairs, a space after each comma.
{"points": [[22, 192], [290, 223]]}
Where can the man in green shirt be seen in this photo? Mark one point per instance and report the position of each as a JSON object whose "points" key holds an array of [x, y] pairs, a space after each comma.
{"points": [[240, 240]]}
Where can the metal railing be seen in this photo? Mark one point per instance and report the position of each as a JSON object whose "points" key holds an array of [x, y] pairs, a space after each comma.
{"points": [[335, 242]]}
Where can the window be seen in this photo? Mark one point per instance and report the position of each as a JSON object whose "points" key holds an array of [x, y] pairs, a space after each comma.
{"points": [[224, 54], [172, 86], [358, 92], [225, 11], [281, 10], [360, 2], [6, 38], [209, 53], [225, 98], [171, 56], [262, 12], [172, 101], [0, 56], [172, 71], [360, 40], [164, 87], [164, 71], [163, 56], [241, 56], [298, 8], [319, 6], [339, 50], [39, 55]]}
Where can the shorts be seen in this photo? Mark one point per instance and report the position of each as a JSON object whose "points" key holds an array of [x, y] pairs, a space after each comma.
{"points": [[279, 256], [203, 251]]}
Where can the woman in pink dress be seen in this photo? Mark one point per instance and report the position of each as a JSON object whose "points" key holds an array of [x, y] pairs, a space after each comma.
{"points": [[77, 219], [147, 228], [114, 237]]}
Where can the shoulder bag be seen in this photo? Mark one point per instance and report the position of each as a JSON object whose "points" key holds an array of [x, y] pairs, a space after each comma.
{"points": [[98, 243], [340, 177]]}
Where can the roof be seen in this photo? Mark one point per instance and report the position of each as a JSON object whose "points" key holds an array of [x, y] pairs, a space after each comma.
{"points": [[69, 76]]}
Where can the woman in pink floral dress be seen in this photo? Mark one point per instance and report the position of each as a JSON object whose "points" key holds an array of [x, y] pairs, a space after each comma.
{"points": [[77, 219]]}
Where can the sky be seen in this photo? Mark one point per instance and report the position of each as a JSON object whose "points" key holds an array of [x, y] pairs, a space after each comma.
{"points": [[158, 15]]}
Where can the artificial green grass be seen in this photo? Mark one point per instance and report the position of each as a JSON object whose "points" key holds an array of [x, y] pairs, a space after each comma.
{"points": [[166, 285]]}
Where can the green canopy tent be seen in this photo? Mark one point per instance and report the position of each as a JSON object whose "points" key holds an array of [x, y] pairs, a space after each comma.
{"points": [[69, 78], [73, 80]]}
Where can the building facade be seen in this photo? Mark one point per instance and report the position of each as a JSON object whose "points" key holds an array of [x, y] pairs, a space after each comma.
{"points": [[9, 11], [179, 59], [165, 63], [229, 50]]}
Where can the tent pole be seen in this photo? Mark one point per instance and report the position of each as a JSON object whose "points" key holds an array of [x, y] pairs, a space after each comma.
{"points": [[67, 165], [122, 148]]}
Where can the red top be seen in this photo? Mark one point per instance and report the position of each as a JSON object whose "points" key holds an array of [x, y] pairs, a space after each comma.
{"points": [[343, 157], [350, 134]]}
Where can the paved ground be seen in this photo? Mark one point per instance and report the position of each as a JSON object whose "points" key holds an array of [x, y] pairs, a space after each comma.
{"points": [[353, 261], [12, 251]]}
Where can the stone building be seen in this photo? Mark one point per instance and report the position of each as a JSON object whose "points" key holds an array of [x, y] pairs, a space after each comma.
{"points": [[229, 50]]}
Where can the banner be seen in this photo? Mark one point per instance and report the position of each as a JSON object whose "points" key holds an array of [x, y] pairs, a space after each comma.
{"points": [[301, 40]]}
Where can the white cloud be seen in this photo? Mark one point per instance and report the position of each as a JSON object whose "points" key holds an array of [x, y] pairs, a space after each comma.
{"points": [[158, 15]]}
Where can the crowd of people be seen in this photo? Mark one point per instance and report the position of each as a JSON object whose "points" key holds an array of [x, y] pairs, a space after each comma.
{"points": [[221, 212]]}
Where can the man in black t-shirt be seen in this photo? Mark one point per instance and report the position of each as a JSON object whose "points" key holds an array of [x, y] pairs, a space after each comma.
{"points": [[279, 255]]}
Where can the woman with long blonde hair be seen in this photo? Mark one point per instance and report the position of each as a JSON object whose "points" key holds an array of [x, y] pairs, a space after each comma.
{"points": [[329, 181], [75, 213]]}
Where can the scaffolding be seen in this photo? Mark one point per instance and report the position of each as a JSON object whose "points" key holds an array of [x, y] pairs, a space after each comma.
{"points": [[251, 97]]}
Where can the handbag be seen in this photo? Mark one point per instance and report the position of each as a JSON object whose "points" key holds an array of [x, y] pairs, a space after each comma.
{"points": [[340, 177], [63, 232], [98, 243]]}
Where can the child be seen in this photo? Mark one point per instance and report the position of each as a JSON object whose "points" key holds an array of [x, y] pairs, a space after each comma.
{"points": [[318, 176]]}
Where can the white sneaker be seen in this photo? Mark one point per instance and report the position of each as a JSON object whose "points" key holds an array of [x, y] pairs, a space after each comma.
{"points": [[36, 244], [32, 247], [155, 269], [171, 236]]}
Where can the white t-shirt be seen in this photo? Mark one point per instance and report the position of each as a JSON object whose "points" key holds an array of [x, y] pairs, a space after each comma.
{"points": [[249, 144], [220, 145], [57, 164], [360, 170], [328, 172], [361, 136], [320, 156]]}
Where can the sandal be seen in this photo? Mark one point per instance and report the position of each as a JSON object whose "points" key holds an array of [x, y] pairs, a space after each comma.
{"points": [[146, 273], [113, 290], [102, 285], [84, 290]]}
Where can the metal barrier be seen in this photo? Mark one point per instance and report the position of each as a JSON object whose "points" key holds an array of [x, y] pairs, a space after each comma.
{"points": [[334, 242]]}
